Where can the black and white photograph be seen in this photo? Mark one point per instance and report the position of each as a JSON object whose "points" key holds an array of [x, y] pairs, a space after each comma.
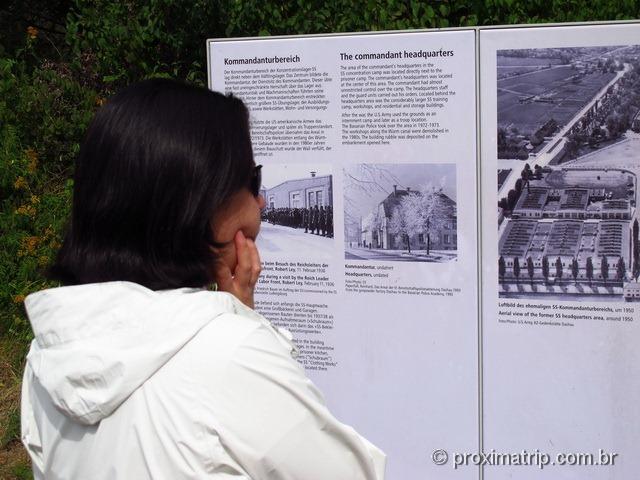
{"points": [[400, 212], [298, 213], [568, 144]]}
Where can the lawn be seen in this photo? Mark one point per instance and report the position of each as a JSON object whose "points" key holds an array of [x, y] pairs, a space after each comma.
{"points": [[505, 61], [566, 97]]}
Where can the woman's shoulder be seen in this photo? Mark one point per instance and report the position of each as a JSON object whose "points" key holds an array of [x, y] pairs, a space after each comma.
{"points": [[239, 378], [240, 328], [219, 327]]}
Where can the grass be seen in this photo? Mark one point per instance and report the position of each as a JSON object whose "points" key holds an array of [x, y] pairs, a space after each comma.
{"points": [[507, 61], [14, 461], [568, 97]]}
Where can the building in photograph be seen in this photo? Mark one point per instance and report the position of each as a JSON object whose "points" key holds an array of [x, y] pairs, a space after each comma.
{"points": [[577, 203], [632, 292], [377, 230], [574, 220], [301, 193]]}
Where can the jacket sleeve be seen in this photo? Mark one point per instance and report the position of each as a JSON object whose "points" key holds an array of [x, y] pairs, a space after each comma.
{"points": [[29, 429], [279, 424]]}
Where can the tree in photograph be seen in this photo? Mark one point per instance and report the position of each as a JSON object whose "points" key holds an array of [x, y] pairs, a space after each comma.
{"points": [[572, 145], [596, 136], [518, 186], [575, 140], [434, 211], [512, 198], [536, 139], [545, 269], [537, 171], [364, 181], [625, 120], [621, 270], [636, 251], [609, 66], [525, 175], [405, 219], [502, 268], [589, 269], [516, 268], [530, 269], [604, 268], [558, 268], [502, 139], [614, 126], [597, 132], [575, 269], [370, 180]]}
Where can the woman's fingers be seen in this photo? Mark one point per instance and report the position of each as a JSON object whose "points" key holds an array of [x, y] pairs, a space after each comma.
{"points": [[242, 273], [256, 266], [243, 279]]}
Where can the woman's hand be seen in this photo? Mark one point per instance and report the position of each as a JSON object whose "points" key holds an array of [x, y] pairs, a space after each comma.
{"points": [[241, 282]]}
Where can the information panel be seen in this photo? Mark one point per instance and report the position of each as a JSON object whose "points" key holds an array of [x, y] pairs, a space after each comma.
{"points": [[560, 170], [369, 236], [509, 355]]}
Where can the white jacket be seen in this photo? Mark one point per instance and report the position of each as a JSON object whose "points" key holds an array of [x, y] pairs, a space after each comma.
{"points": [[123, 382]]}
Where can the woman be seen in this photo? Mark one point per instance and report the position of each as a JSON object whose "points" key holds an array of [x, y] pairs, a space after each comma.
{"points": [[137, 371]]}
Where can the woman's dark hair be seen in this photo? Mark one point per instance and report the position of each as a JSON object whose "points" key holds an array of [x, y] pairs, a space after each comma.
{"points": [[159, 159]]}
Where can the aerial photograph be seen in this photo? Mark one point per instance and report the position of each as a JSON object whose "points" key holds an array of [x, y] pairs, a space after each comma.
{"points": [[568, 144]]}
